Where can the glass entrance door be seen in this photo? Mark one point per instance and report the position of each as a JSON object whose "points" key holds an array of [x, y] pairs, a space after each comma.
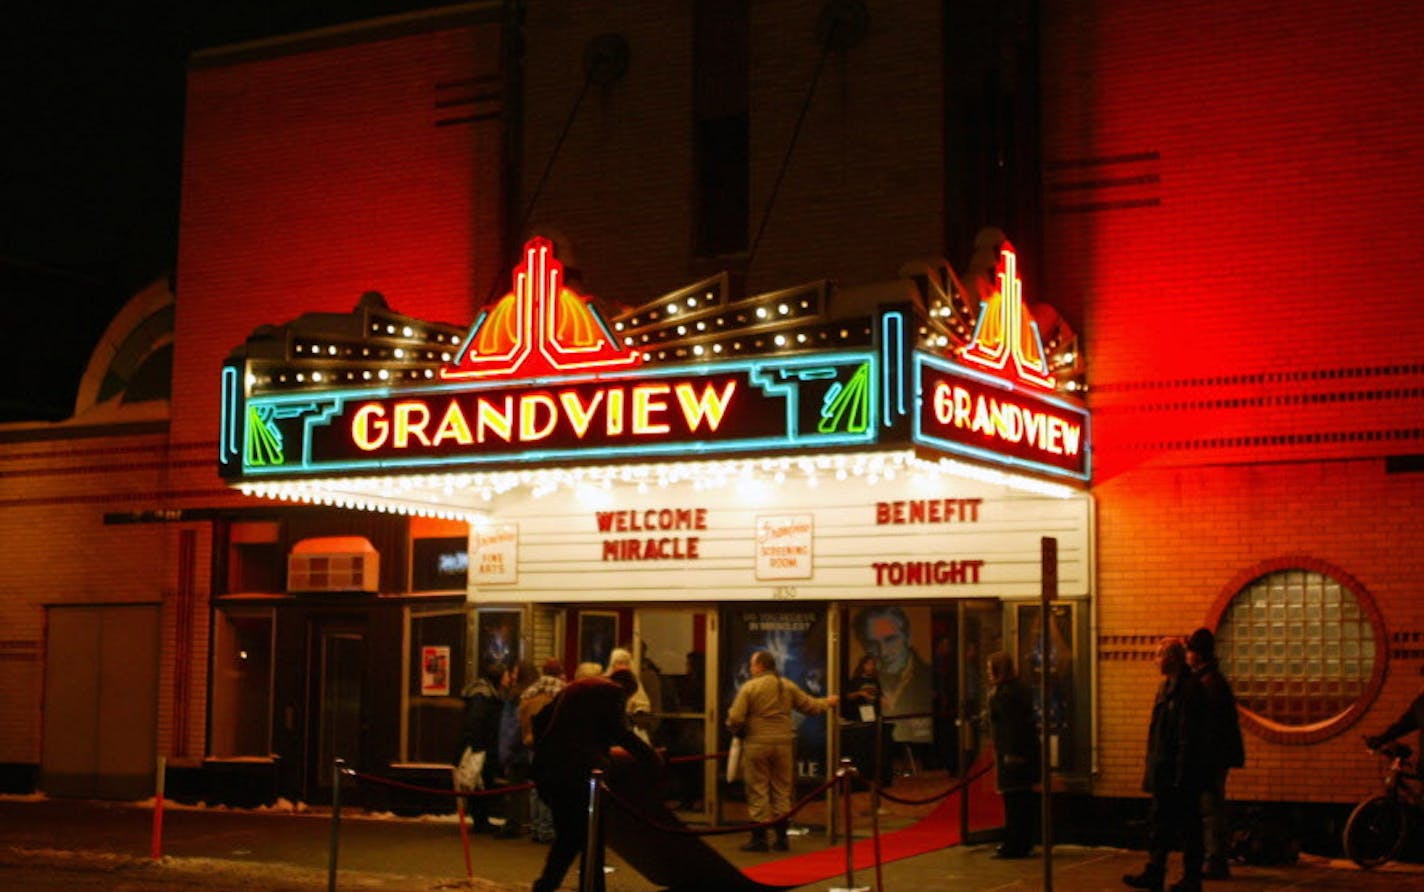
{"points": [[979, 632], [675, 648], [338, 661]]}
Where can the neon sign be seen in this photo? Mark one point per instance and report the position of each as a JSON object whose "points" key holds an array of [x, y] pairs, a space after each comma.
{"points": [[774, 403], [540, 378], [540, 328], [1005, 330], [987, 418]]}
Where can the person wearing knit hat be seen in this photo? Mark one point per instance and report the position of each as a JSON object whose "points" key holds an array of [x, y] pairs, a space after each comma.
{"points": [[1224, 750], [1202, 643]]}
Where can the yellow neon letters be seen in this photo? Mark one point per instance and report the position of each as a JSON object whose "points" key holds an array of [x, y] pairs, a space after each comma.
{"points": [[644, 410], [955, 406]]}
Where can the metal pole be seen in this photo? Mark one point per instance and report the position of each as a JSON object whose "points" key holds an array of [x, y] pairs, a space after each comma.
{"points": [[847, 777], [336, 768], [156, 849], [591, 872], [464, 836], [1049, 560]]}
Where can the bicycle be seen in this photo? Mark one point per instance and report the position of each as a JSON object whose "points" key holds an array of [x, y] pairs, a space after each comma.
{"points": [[1377, 828]]}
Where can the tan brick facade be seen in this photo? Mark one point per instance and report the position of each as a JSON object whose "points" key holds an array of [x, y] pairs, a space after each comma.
{"points": [[1232, 227]]}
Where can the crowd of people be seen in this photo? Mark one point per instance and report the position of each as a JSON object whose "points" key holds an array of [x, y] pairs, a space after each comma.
{"points": [[525, 726], [539, 726]]}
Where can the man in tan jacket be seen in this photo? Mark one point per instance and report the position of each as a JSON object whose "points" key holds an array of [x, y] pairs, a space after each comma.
{"points": [[761, 714]]}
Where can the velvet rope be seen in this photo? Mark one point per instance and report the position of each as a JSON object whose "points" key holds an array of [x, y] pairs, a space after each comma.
{"points": [[700, 757], [436, 791], [938, 796], [632, 810]]}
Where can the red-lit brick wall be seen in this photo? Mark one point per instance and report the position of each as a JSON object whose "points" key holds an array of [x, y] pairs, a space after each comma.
{"points": [[1234, 227], [312, 177]]}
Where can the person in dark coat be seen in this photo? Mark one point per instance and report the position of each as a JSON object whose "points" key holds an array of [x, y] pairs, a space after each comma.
{"points": [[574, 734], [1016, 754], [484, 706], [1224, 750], [1412, 719], [1175, 774], [861, 700]]}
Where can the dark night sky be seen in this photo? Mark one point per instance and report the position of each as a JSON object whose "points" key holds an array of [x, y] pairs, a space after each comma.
{"points": [[91, 108]]}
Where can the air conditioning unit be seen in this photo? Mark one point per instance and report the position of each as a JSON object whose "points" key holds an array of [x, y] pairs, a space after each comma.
{"points": [[334, 564]]}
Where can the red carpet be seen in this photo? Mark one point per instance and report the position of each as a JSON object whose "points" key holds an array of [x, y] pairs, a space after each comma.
{"points": [[937, 830]]}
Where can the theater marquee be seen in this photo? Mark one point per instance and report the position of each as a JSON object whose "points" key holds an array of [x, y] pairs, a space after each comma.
{"points": [[541, 381]]}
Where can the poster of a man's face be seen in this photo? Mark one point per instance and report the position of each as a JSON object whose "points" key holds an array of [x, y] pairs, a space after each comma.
{"points": [[896, 637]]}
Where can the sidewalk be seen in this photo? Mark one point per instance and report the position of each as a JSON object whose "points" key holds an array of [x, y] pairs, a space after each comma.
{"points": [[76, 844]]}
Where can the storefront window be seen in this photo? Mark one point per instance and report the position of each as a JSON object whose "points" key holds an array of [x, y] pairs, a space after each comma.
{"points": [[1304, 651], [436, 676], [242, 684], [440, 564]]}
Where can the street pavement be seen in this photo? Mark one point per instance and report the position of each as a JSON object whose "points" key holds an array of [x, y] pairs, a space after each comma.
{"points": [[56, 844]]}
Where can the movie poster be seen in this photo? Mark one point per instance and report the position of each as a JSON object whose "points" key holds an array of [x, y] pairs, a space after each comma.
{"points": [[796, 636], [597, 636], [435, 671], [499, 634], [898, 638]]}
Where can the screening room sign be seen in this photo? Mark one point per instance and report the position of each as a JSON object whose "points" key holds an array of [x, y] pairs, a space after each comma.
{"points": [[783, 546]]}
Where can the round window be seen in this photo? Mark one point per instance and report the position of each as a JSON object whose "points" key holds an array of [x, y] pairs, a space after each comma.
{"points": [[1303, 647]]}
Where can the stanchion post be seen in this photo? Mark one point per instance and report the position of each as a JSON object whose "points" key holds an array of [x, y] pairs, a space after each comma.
{"points": [[336, 770], [847, 778], [156, 849], [1048, 546], [464, 836], [592, 862]]}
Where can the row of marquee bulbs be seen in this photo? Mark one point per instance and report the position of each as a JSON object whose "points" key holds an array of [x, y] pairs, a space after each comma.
{"points": [[446, 495]]}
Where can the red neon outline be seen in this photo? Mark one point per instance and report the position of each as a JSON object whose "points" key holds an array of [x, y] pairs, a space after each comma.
{"points": [[555, 331], [1006, 329]]}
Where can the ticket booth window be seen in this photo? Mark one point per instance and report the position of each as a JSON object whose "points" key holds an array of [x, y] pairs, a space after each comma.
{"points": [[242, 683]]}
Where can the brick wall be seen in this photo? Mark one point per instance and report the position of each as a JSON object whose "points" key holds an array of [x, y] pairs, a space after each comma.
{"points": [[54, 494], [1234, 229], [864, 189], [312, 177]]}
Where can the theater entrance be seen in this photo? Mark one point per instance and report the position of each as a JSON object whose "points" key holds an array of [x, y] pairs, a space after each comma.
{"points": [[974, 629], [336, 675], [674, 648]]}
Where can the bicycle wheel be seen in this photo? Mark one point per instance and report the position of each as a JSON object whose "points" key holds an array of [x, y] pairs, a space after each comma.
{"points": [[1375, 831]]}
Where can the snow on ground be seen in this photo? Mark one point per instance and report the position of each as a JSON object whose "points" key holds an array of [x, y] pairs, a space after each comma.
{"points": [[22, 868]]}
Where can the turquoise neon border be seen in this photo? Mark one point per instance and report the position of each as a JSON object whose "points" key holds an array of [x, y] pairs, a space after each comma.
{"points": [[892, 347], [917, 434], [775, 376]]}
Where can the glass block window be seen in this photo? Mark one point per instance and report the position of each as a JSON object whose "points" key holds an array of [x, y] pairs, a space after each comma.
{"points": [[1301, 648]]}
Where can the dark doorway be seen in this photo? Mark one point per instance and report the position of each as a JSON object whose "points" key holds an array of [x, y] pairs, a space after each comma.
{"points": [[336, 675]]}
